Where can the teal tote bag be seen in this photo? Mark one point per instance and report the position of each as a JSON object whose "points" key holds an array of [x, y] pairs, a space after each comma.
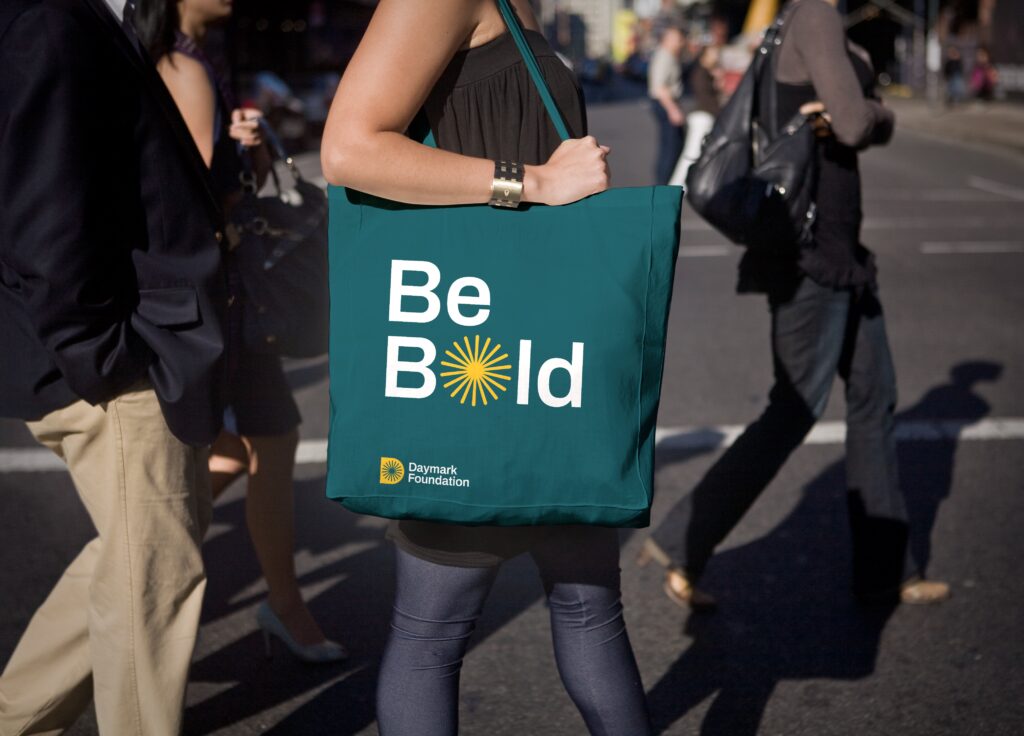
{"points": [[499, 366]]}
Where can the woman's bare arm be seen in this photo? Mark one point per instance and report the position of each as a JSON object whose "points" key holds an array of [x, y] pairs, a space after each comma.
{"points": [[406, 48]]}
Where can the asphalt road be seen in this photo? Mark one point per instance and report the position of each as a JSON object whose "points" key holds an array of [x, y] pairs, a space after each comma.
{"points": [[789, 652]]}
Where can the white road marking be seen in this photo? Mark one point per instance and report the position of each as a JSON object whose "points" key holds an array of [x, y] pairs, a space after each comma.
{"points": [[972, 247], [706, 251], [314, 451], [995, 187], [928, 248], [929, 195], [310, 452], [972, 222], [968, 222], [832, 433], [29, 460]]}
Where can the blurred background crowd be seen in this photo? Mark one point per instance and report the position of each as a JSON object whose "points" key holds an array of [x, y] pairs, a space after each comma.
{"points": [[287, 57]]}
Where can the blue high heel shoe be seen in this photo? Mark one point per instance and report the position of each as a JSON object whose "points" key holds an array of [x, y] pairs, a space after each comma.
{"points": [[320, 653]]}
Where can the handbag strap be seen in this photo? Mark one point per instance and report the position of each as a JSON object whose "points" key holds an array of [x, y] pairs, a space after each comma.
{"points": [[277, 153], [766, 83], [277, 147], [764, 79], [533, 67]]}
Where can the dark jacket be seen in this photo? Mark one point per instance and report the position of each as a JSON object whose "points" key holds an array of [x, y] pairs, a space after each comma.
{"points": [[110, 256]]}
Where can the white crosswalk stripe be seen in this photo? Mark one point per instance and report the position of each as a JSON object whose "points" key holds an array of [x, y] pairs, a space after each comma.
{"points": [[314, 451], [972, 247]]}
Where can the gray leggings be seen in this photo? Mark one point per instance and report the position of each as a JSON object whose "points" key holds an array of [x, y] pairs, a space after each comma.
{"points": [[436, 609]]}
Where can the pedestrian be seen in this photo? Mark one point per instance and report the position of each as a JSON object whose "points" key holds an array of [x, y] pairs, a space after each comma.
{"points": [[704, 81], [665, 88], [826, 319], [455, 60], [953, 72], [669, 15], [260, 432], [983, 76], [111, 300]]}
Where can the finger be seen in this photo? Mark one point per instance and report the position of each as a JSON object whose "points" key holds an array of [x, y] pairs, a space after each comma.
{"points": [[242, 135], [244, 129], [237, 116]]}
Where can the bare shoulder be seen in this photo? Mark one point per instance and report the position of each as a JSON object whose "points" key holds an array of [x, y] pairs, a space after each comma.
{"points": [[489, 23], [179, 68]]}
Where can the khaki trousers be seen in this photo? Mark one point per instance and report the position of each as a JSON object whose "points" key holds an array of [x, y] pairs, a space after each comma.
{"points": [[120, 625]]}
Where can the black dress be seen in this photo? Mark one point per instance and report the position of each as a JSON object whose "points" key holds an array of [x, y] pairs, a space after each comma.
{"points": [[258, 399], [485, 105]]}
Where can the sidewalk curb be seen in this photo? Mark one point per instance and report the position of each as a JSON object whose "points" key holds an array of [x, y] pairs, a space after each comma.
{"points": [[997, 126]]}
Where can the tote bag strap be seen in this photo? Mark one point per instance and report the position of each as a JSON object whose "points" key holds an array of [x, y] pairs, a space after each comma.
{"points": [[533, 67]]}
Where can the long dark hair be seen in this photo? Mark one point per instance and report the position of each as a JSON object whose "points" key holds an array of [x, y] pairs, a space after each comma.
{"points": [[156, 22]]}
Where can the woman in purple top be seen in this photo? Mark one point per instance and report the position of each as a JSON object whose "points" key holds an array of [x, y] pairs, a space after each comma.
{"points": [[260, 425]]}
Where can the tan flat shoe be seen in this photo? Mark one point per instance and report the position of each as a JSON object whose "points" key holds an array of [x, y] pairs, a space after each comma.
{"points": [[924, 592], [684, 594], [678, 587]]}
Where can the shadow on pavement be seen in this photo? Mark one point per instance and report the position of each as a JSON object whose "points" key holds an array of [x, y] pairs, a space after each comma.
{"points": [[927, 467], [684, 446], [356, 609], [786, 609], [787, 612]]}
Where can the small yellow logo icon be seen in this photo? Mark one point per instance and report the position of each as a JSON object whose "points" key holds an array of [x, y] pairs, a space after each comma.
{"points": [[391, 471]]}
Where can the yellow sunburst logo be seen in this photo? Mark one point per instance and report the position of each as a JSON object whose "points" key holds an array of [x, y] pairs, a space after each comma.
{"points": [[391, 471], [476, 371]]}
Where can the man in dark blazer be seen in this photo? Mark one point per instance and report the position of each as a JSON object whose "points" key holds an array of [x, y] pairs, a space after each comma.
{"points": [[111, 301]]}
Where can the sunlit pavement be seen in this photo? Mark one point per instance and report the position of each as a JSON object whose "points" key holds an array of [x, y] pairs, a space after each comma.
{"points": [[789, 652]]}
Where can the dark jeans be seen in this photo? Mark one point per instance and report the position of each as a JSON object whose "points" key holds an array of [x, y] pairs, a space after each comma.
{"points": [[436, 609], [670, 144], [816, 333]]}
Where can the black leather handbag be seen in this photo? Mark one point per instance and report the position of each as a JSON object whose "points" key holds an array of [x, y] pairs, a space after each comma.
{"points": [[753, 182], [282, 257]]}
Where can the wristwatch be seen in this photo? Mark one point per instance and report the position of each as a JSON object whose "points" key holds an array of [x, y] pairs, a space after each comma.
{"points": [[507, 185]]}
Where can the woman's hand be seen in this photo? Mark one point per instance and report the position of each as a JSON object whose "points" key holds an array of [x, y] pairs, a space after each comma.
{"points": [[577, 169], [817, 109], [821, 121], [245, 127]]}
